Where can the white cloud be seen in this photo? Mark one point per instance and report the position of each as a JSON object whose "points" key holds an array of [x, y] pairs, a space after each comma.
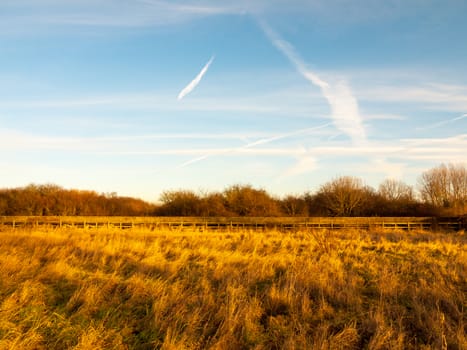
{"points": [[23, 15], [196, 8], [432, 96], [266, 103], [451, 149], [250, 145], [194, 83], [385, 156], [26, 15], [344, 106], [305, 164], [390, 157], [444, 122], [383, 116], [13, 140], [393, 170]]}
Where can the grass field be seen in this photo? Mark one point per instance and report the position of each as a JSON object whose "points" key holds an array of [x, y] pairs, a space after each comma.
{"points": [[101, 289]]}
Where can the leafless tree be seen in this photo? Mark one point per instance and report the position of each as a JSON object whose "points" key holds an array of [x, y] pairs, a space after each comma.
{"points": [[395, 190], [343, 196], [180, 203], [458, 177], [445, 186], [294, 206], [244, 200]]}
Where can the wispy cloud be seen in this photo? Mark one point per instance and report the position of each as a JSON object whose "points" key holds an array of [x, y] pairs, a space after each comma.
{"points": [[194, 83], [441, 149], [304, 165], [444, 122], [14, 140], [344, 106], [384, 116], [432, 96], [24, 16], [155, 102], [259, 142], [385, 154], [195, 9]]}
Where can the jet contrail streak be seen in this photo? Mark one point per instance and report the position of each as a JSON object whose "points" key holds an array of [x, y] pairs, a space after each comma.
{"points": [[444, 122], [194, 83], [252, 144], [344, 106]]}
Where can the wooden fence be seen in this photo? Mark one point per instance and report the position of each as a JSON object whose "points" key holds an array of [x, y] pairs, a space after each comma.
{"points": [[236, 223]]}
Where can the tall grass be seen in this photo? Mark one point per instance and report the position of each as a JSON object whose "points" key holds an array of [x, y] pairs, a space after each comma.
{"points": [[101, 289]]}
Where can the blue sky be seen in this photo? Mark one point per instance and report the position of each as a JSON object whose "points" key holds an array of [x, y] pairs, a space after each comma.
{"points": [[295, 93]]}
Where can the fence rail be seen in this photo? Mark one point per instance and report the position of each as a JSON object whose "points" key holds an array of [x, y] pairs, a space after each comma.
{"points": [[235, 223]]}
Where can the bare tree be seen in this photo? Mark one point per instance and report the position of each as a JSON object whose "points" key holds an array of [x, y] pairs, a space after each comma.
{"points": [[244, 200], [343, 196], [294, 206], [434, 186], [180, 203], [395, 190], [445, 186], [458, 178]]}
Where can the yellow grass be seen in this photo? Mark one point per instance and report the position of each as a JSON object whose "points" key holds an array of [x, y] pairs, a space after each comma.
{"points": [[101, 289]]}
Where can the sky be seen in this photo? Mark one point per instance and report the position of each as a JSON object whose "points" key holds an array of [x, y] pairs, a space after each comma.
{"points": [[142, 96]]}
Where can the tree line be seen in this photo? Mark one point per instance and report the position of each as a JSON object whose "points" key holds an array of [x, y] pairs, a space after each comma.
{"points": [[49, 199], [441, 191]]}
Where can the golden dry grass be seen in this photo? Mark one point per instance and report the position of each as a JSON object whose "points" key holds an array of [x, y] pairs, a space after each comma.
{"points": [[101, 289]]}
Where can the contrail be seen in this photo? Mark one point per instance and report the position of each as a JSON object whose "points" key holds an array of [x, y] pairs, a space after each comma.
{"points": [[343, 104], [444, 122], [252, 144], [194, 83]]}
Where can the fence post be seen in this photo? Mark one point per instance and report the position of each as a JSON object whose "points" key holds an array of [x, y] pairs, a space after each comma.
{"points": [[434, 224]]}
